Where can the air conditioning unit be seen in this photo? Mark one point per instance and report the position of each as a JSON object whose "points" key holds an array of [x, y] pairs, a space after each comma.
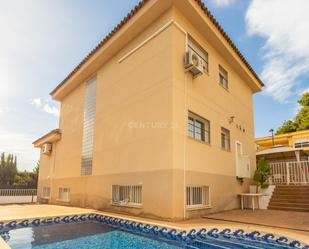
{"points": [[46, 148], [193, 62]]}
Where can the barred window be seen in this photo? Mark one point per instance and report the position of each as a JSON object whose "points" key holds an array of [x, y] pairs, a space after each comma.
{"points": [[225, 139], [197, 196], [223, 77], [130, 195], [198, 128], [46, 192], [64, 194]]}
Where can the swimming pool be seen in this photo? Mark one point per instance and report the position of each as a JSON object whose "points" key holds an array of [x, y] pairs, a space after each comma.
{"points": [[95, 231]]}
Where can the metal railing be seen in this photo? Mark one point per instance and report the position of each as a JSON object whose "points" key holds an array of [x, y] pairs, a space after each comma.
{"points": [[18, 192], [289, 173]]}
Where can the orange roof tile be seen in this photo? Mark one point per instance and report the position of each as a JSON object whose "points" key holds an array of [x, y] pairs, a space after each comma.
{"points": [[131, 14]]}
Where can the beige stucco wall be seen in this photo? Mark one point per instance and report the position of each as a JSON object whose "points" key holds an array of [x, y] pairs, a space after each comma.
{"points": [[140, 129]]}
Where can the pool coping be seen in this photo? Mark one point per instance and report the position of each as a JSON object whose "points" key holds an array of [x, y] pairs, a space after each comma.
{"points": [[224, 228]]}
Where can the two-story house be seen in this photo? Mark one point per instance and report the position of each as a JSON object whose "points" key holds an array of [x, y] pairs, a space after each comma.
{"points": [[156, 121]]}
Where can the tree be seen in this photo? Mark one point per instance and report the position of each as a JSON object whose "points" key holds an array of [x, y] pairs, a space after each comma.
{"points": [[300, 121], [261, 174], [8, 169], [10, 177]]}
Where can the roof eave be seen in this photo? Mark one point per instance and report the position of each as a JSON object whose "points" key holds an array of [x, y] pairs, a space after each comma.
{"points": [[50, 137]]}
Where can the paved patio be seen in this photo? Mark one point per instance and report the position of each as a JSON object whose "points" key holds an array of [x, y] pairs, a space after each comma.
{"points": [[271, 218], [290, 224]]}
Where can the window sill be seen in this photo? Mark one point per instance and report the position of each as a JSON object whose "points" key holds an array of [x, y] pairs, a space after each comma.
{"points": [[197, 207], [60, 200], [226, 150], [225, 88], [200, 141], [127, 205]]}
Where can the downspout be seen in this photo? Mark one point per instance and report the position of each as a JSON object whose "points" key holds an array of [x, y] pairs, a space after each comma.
{"points": [[185, 138]]}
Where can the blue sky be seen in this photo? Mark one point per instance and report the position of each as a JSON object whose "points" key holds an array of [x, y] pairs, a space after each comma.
{"points": [[41, 42]]}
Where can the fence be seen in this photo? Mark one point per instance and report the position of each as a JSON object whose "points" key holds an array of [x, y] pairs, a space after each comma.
{"points": [[8, 196], [288, 173]]}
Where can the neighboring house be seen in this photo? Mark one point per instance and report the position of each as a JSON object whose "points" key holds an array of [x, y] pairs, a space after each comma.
{"points": [[287, 155], [145, 131], [297, 140]]}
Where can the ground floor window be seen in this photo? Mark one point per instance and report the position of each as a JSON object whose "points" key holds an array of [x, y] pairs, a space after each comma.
{"points": [[64, 194], [46, 192], [130, 195], [198, 196]]}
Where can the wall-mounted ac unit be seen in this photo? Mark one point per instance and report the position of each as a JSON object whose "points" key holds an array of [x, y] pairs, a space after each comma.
{"points": [[46, 148], [193, 62]]}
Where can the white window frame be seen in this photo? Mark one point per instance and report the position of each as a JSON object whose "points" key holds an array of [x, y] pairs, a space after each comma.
{"points": [[44, 190], [60, 197], [301, 142], [130, 190], [193, 191], [223, 75], [204, 129]]}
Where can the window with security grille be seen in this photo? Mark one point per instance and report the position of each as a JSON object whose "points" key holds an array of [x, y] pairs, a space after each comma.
{"points": [[64, 194], [46, 192], [130, 195], [197, 196]]}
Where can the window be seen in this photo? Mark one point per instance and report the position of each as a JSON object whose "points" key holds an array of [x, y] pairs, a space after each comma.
{"points": [[197, 48], [88, 127], [64, 194], [46, 192], [198, 196], [225, 139], [223, 77], [128, 195], [301, 142], [198, 128]]}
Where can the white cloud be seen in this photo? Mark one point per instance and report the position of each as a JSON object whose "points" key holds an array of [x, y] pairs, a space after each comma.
{"points": [[46, 106], [222, 3], [19, 144], [284, 25]]}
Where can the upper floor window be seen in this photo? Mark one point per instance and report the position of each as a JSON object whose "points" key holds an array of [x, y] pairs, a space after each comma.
{"points": [[301, 142], [197, 48], [225, 139], [223, 77], [198, 128]]}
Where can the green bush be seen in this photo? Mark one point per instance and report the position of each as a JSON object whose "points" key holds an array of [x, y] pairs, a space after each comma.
{"points": [[261, 174]]}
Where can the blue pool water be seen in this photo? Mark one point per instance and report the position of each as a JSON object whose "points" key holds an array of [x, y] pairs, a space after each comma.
{"points": [[94, 235]]}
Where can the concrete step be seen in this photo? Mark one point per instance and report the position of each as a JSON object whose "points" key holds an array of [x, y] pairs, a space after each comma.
{"points": [[288, 208], [290, 199], [294, 192], [288, 204]]}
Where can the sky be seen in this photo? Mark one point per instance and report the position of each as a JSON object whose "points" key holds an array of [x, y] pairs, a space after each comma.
{"points": [[42, 41]]}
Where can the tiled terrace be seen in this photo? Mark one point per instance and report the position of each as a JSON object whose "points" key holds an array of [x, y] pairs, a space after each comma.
{"points": [[291, 224]]}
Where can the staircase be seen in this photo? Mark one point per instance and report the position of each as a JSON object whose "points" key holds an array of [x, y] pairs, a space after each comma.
{"points": [[290, 198]]}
